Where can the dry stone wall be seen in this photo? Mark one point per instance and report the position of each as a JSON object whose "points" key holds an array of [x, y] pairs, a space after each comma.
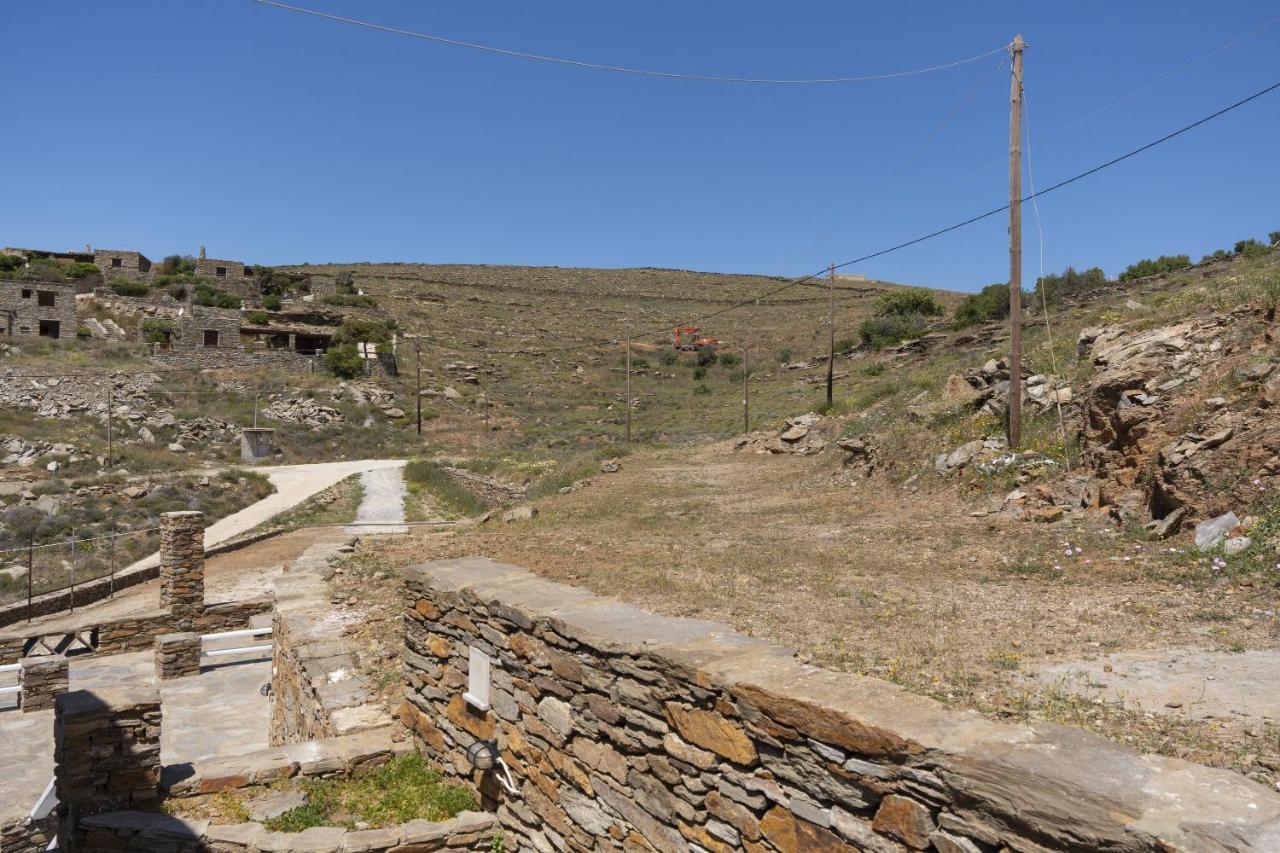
{"points": [[106, 758], [316, 688], [177, 655], [626, 730], [182, 565], [42, 679]]}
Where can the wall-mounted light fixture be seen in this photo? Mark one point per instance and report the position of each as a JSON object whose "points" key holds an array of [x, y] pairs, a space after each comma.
{"points": [[484, 756]]}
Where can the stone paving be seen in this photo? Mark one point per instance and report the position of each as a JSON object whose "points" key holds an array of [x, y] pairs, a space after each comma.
{"points": [[217, 713], [382, 508]]}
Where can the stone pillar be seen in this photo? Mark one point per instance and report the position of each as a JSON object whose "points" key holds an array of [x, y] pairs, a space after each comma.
{"points": [[106, 756], [42, 679], [182, 566], [177, 655]]}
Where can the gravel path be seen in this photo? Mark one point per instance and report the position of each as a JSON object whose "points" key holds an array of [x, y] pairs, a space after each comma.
{"points": [[382, 509]]}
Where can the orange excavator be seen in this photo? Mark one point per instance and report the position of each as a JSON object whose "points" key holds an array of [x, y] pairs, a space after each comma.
{"points": [[688, 339]]}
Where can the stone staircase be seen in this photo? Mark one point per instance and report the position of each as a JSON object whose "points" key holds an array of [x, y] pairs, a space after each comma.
{"points": [[107, 329]]}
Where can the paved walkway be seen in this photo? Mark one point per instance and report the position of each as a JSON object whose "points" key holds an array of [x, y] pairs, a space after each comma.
{"points": [[217, 713], [382, 508], [294, 484]]}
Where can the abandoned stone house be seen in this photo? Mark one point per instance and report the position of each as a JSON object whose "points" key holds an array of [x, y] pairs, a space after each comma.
{"points": [[121, 263], [38, 309], [206, 328]]}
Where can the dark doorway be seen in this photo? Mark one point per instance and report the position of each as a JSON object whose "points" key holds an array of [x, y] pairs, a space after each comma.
{"points": [[50, 329], [211, 337]]}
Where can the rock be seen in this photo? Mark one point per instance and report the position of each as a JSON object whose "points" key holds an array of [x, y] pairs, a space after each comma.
{"points": [[1170, 524], [964, 454], [1236, 545], [794, 433], [610, 466], [393, 412], [274, 803], [1043, 514], [451, 393], [520, 513], [176, 447], [1209, 533]]}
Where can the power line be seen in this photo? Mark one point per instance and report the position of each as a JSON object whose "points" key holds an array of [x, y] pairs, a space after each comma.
{"points": [[621, 69], [941, 231]]}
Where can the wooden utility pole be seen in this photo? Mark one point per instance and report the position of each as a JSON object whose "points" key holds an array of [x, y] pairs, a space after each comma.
{"points": [[417, 358], [746, 389], [831, 322], [628, 384], [110, 426], [1015, 245], [257, 392]]}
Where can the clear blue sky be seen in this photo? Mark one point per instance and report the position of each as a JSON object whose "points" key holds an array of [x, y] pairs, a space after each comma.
{"points": [[162, 125]]}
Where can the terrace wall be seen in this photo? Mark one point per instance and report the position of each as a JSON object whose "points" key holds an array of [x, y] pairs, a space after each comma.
{"points": [[626, 730]]}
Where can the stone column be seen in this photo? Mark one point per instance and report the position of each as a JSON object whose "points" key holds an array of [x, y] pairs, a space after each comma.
{"points": [[42, 679], [177, 655], [182, 566], [106, 756]]}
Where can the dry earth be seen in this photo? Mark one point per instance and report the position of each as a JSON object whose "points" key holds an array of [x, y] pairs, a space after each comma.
{"points": [[898, 583]]}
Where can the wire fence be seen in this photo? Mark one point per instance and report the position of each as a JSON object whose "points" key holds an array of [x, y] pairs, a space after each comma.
{"points": [[49, 567]]}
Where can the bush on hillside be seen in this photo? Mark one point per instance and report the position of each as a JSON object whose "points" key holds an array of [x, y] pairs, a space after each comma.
{"points": [[1274, 237], [81, 269], [271, 302], [1251, 248], [1057, 286], [258, 318], [990, 303], [12, 263], [349, 301], [908, 302], [880, 332], [730, 359], [177, 265], [1162, 264], [363, 332], [346, 282], [344, 361], [706, 357], [129, 287]]}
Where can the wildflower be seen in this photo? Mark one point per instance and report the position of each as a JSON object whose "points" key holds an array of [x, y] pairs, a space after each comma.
{"points": [[1079, 550]]}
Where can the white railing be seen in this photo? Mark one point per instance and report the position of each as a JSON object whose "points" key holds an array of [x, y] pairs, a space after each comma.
{"points": [[15, 688], [236, 635]]}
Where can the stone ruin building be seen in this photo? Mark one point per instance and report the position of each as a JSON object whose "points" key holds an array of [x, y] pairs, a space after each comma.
{"points": [[38, 309]]}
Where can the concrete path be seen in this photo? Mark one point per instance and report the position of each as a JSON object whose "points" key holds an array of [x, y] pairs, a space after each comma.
{"points": [[1243, 687], [217, 713], [382, 508], [294, 484]]}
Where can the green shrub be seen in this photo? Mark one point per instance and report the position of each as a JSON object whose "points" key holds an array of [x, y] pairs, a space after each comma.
{"points": [[258, 318], [880, 332], [908, 302], [344, 361], [44, 269], [706, 357], [156, 331], [129, 287], [699, 372], [363, 332], [1216, 255], [845, 344], [701, 390], [349, 301], [81, 269], [12, 263], [784, 355], [271, 302], [1274, 237], [730, 359], [1251, 248], [177, 265], [1162, 264], [669, 358], [1057, 286], [346, 282], [990, 303], [875, 368]]}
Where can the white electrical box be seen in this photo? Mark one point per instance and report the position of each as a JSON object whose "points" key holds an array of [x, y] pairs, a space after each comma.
{"points": [[477, 695]]}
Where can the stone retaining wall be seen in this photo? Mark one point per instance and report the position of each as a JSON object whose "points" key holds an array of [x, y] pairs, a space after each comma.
{"points": [[316, 689], [136, 633], [127, 832], [237, 357], [626, 730], [24, 835], [103, 587]]}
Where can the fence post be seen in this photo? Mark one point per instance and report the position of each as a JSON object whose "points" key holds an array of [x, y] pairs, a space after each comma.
{"points": [[31, 541], [73, 570]]}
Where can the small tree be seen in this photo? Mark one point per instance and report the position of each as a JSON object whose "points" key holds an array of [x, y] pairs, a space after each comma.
{"points": [[902, 303], [344, 361], [346, 282]]}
